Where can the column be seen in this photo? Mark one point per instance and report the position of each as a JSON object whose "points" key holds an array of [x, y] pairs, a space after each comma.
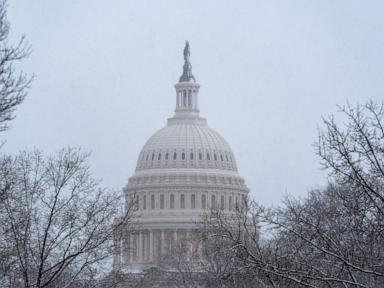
{"points": [[130, 251], [125, 249], [174, 240], [117, 251], [140, 247], [162, 242], [189, 243], [150, 248]]}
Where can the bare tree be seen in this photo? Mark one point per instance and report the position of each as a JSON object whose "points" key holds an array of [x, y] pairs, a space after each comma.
{"points": [[354, 153], [13, 84], [233, 253], [57, 223], [224, 238], [332, 238]]}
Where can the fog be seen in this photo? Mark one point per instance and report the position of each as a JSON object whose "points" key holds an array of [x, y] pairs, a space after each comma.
{"points": [[268, 70]]}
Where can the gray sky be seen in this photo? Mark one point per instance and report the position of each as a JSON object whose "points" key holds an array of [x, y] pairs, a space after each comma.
{"points": [[268, 71]]}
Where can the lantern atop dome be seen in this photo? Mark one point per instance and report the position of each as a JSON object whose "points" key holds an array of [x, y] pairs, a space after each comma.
{"points": [[187, 90]]}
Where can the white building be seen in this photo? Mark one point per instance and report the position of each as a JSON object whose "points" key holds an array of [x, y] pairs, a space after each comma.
{"points": [[184, 169]]}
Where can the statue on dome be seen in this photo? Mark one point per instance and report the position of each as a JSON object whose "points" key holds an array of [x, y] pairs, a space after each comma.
{"points": [[186, 51], [187, 67]]}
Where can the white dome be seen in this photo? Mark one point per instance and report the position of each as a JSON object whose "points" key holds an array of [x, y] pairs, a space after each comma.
{"points": [[184, 144], [183, 170]]}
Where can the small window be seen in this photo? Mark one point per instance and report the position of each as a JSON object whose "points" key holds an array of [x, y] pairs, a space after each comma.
{"points": [[193, 201], [153, 156], [152, 202], [159, 157], [191, 156], [174, 156], [183, 156], [203, 202], [208, 157], [182, 201], [215, 156], [200, 156], [162, 201], [172, 201], [213, 201], [144, 202], [166, 156], [221, 157]]}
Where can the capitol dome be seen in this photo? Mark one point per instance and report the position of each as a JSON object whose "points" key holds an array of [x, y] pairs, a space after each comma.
{"points": [[184, 170], [186, 145]]}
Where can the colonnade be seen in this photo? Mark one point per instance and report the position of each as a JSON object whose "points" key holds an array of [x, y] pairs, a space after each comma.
{"points": [[156, 245]]}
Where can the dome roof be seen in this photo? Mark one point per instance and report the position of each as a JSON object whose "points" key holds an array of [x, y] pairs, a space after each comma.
{"points": [[186, 141], [186, 145]]}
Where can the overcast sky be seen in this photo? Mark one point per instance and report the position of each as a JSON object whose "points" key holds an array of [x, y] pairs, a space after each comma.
{"points": [[268, 71]]}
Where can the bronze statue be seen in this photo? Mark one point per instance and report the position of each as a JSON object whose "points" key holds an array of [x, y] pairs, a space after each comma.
{"points": [[187, 67]]}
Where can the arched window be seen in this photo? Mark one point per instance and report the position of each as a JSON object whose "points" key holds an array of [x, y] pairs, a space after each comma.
{"points": [[215, 156], [182, 201], [227, 157], [191, 156], [193, 201], [230, 203], [172, 201], [166, 156], [147, 157], [159, 157], [153, 156], [200, 156], [183, 156], [221, 157], [203, 202], [208, 157], [144, 202], [213, 201], [174, 156], [222, 202], [162, 201], [152, 202]]}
